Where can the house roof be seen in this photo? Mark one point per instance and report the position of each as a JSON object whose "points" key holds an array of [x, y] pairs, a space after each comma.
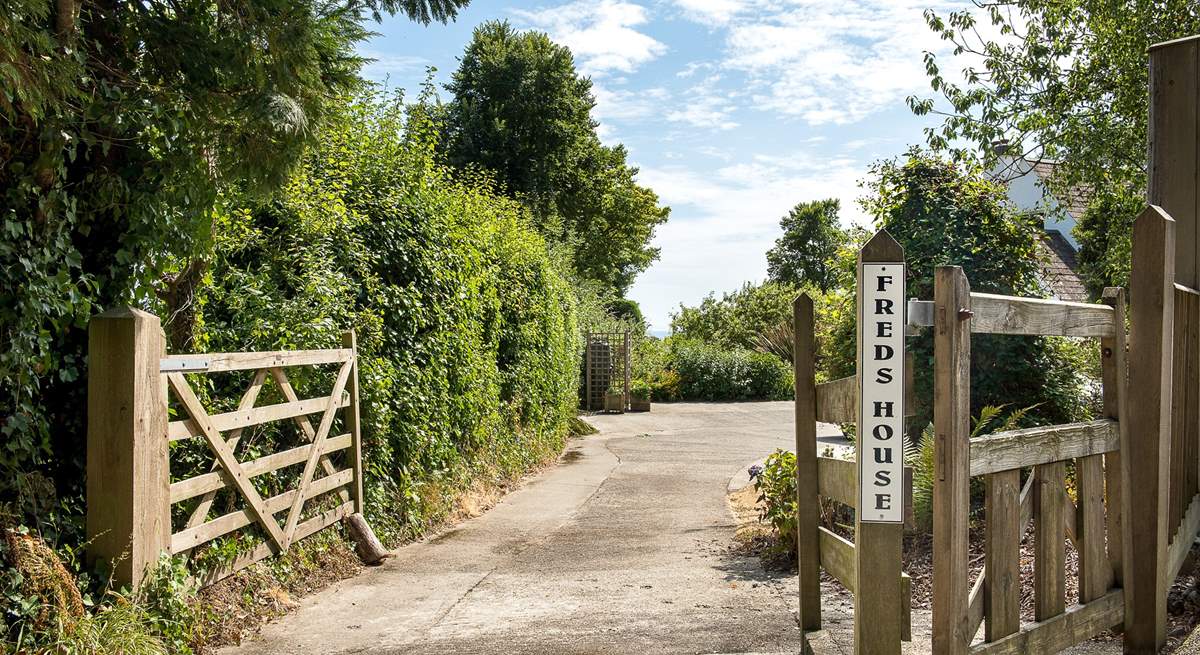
{"points": [[1056, 260], [1077, 199]]}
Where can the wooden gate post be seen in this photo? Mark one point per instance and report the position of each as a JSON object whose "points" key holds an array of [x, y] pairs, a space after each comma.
{"points": [[1146, 450], [128, 476], [878, 547], [353, 423], [808, 544], [952, 448]]}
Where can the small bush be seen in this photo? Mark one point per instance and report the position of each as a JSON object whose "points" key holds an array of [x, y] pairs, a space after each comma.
{"points": [[640, 390], [666, 385], [709, 372], [776, 486]]}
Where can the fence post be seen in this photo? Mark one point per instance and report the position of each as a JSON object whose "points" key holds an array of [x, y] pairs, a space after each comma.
{"points": [[350, 340], [1146, 451], [952, 448], [1115, 379], [878, 547], [628, 369], [808, 511], [128, 473]]}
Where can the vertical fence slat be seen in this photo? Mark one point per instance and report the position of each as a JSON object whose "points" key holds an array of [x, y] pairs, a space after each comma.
{"points": [[1095, 571], [1049, 581], [807, 504], [1002, 550], [951, 488], [1146, 450], [1192, 418], [1114, 376], [1179, 399]]}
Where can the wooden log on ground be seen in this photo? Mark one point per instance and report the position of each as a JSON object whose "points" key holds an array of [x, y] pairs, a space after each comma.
{"points": [[366, 545]]}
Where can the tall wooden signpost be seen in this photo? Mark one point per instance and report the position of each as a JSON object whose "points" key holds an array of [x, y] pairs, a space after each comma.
{"points": [[879, 521]]}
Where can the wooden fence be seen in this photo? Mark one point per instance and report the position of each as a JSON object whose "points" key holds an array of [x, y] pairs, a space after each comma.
{"points": [[1092, 523], [130, 491]]}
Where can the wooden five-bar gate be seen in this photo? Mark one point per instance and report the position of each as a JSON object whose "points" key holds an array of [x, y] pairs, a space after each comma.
{"points": [[129, 486]]}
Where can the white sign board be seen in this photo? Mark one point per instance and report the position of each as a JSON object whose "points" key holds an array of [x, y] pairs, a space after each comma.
{"points": [[881, 394]]}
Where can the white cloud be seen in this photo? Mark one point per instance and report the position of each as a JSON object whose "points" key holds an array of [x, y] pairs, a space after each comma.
{"points": [[835, 62], [706, 107], [710, 12], [626, 105], [600, 35], [723, 223]]}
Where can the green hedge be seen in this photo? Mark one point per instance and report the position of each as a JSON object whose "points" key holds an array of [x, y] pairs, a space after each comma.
{"points": [[709, 372], [466, 327]]}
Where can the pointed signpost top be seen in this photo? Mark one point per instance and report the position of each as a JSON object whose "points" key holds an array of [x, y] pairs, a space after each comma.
{"points": [[881, 248]]}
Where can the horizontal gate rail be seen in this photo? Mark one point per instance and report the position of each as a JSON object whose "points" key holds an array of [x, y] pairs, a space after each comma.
{"points": [[1013, 449]]}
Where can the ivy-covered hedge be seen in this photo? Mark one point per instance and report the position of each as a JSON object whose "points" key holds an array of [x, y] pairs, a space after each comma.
{"points": [[466, 328]]}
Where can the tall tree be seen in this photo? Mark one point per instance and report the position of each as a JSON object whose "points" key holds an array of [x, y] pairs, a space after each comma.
{"points": [[805, 253], [521, 111], [120, 121], [1063, 80]]}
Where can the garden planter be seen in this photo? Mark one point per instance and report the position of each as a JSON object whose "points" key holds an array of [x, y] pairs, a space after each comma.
{"points": [[614, 402], [639, 404]]}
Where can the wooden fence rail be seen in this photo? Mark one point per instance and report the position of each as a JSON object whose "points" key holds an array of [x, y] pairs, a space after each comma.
{"points": [[130, 491]]}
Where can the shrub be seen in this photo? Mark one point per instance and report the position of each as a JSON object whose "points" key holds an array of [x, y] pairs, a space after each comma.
{"points": [[776, 486], [710, 372], [666, 386], [640, 390]]}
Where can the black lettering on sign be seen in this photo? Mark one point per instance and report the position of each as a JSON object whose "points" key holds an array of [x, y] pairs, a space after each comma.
{"points": [[883, 375], [883, 501], [883, 352], [883, 306]]}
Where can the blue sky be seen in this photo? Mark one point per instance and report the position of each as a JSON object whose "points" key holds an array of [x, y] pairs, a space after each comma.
{"points": [[734, 110]]}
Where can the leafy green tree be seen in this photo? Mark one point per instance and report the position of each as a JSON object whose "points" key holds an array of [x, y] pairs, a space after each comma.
{"points": [[522, 112], [950, 214], [1065, 81], [120, 123], [804, 255]]}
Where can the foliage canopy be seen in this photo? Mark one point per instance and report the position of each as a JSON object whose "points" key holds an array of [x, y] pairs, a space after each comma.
{"points": [[522, 112], [805, 253], [1061, 81]]}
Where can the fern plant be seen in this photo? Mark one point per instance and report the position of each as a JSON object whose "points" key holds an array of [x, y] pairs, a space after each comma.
{"points": [[920, 456]]}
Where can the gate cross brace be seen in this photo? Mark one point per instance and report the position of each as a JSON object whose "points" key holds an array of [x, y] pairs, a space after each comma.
{"points": [[228, 462]]}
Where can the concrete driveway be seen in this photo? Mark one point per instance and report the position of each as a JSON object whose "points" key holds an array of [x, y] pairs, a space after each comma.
{"points": [[621, 548]]}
